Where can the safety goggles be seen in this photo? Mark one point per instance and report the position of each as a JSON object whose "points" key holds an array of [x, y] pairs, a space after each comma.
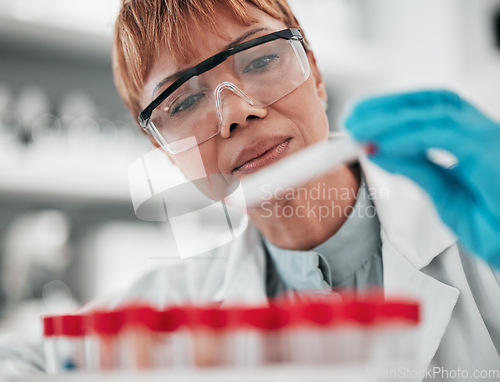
{"points": [[260, 71]]}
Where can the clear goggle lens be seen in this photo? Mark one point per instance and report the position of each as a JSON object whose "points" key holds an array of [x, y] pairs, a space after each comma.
{"points": [[261, 75]]}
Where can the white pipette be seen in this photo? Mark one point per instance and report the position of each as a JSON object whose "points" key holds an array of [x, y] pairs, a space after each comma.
{"points": [[299, 168]]}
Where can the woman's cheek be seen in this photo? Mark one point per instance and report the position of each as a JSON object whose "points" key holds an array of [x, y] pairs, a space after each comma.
{"points": [[191, 164]]}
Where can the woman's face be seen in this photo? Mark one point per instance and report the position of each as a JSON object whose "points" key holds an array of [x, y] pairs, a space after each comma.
{"points": [[251, 137]]}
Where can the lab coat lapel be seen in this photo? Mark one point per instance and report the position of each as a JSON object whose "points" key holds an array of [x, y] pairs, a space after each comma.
{"points": [[412, 236], [437, 300], [407, 216]]}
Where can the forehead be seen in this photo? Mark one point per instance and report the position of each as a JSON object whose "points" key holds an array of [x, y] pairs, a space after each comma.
{"points": [[207, 45]]}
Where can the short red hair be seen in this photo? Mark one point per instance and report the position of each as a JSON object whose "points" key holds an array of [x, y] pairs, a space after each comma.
{"points": [[143, 25]]}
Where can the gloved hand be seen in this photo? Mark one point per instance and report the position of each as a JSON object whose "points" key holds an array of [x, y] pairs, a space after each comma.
{"points": [[467, 196]]}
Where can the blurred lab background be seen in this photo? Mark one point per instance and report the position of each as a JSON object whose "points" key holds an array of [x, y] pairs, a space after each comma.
{"points": [[68, 231]]}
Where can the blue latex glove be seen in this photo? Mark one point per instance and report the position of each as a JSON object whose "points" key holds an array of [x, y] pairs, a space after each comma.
{"points": [[467, 196]]}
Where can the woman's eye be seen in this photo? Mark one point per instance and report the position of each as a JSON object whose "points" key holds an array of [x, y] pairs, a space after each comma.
{"points": [[186, 104], [260, 63]]}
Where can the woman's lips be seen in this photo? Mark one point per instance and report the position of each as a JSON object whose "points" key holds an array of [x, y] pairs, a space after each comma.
{"points": [[270, 156]]}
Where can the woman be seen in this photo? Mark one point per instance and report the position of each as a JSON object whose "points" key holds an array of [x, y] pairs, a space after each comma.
{"points": [[259, 101], [250, 110]]}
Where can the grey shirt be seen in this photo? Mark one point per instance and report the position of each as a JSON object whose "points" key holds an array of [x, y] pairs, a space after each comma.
{"points": [[350, 259]]}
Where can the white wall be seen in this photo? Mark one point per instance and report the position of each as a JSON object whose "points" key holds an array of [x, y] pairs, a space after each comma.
{"points": [[373, 46]]}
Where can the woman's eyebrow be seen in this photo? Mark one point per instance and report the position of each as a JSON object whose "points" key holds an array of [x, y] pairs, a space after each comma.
{"points": [[172, 78], [235, 42], [245, 36]]}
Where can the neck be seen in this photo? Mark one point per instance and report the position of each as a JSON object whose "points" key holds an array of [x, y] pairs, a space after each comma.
{"points": [[305, 217]]}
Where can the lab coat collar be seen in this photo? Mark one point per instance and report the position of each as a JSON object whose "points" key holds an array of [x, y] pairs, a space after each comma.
{"points": [[436, 299], [407, 216]]}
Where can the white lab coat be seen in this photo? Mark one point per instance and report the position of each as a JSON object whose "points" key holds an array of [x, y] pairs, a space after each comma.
{"points": [[459, 295]]}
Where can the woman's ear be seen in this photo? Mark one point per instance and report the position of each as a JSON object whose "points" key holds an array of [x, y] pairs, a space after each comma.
{"points": [[318, 78]]}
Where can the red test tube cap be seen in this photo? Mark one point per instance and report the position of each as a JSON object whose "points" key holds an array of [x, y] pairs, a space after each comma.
{"points": [[271, 318], [141, 316], [49, 326], [107, 322], [406, 311], [361, 312], [71, 326], [320, 314], [212, 318], [172, 319]]}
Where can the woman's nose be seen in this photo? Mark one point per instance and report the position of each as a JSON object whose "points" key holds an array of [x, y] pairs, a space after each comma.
{"points": [[235, 109]]}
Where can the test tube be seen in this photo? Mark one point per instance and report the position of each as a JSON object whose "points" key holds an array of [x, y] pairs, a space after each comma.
{"points": [[173, 341], [104, 346], [209, 327], [71, 343], [156, 339], [395, 338], [354, 335], [137, 337], [271, 325], [242, 342], [64, 343], [49, 334], [312, 332], [371, 329]]}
